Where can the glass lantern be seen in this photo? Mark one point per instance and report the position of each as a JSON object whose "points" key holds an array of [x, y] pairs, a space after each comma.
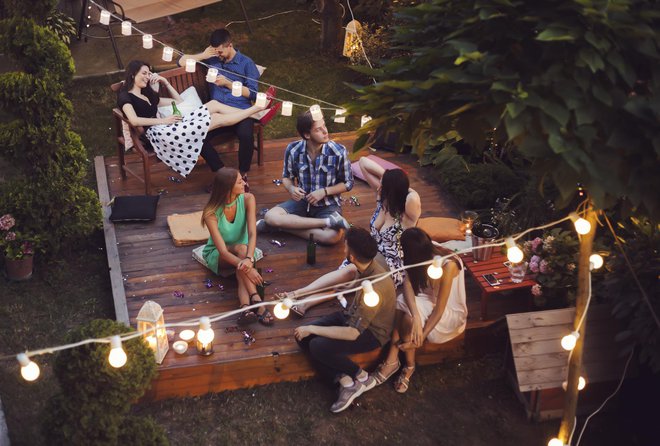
{"points": [[151, 323], [351, 42]]}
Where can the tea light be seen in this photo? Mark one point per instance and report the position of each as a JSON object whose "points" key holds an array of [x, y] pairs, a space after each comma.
{"points": [[190, 65], [168, 52], [236, 89], [211, 75], [316, 112], [364, 120], [170, 335], [339, 116], [151, 340], [105, 17], [180, 347], [187, 335], [287, 108], [147, 42], [261, 100]]}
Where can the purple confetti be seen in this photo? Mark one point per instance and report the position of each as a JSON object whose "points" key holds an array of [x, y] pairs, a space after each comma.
{"points": [[278, 243], [269, 270], [178, 294], [221, 286], [248, 338], [208, 283], [277, 182]]}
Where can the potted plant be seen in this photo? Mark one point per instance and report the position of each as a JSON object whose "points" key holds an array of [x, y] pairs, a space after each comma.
{"points": [[17, 248]]}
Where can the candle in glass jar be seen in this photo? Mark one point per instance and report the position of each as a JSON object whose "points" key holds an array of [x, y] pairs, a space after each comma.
{"points": [[147, 42], [211, 75]]}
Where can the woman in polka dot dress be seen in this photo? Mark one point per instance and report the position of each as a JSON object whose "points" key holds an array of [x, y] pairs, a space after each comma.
{"points": [[176, 140]]}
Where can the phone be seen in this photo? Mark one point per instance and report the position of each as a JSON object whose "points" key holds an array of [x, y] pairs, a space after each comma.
{"points": [[490, 278]]}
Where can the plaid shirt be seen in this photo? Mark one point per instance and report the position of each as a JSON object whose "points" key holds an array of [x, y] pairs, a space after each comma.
{"points": [[331, 167]]}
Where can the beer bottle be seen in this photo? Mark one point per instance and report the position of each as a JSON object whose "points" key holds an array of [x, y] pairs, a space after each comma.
{"points": [[175, 110]]}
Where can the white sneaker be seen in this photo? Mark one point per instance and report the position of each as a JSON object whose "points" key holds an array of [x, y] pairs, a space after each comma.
{"points": [[337, 221], [263, 227]]}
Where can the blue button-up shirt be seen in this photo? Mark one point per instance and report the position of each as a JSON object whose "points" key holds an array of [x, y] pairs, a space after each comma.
{"points": [[240, 68], [330, 167]]}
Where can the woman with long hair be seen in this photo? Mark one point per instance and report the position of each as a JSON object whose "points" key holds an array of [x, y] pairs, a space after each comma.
{"points": [[429, 309], [230, 216], [178, 141]]}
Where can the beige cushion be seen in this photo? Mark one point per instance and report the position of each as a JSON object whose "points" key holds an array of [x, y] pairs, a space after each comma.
{"points": [[187, 229], [442, 229]]}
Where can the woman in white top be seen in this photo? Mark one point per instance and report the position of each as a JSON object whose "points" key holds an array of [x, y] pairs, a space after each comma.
{"points": [[429, 309]]}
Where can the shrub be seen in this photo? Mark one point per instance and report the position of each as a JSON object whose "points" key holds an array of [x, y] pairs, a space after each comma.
{"points": [[142, 431]]}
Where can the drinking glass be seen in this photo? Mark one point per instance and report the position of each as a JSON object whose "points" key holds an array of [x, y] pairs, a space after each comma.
{"points": [[517, 271], [468, 218]]}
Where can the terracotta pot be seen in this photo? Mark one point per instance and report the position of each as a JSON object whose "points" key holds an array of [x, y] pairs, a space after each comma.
{"points": [[18, 270]]}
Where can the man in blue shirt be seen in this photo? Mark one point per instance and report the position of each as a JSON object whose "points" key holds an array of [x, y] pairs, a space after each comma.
{"points": [[232, 66], [316, 171]]}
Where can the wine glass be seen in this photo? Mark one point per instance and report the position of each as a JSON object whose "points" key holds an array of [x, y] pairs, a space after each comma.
{"points": [[468, 218]]}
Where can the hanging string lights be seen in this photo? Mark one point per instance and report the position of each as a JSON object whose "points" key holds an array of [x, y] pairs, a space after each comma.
{"points": [[513, 251], [370, 295], [435, 269], [29, 369], [117, 357], [582, 226]]}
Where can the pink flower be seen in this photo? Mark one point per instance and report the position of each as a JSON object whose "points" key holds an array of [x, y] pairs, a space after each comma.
{"points": [[534, 264], [544, 267], [536, 290], [11, 236], [547, 244], [7, 222], [536, 243]]}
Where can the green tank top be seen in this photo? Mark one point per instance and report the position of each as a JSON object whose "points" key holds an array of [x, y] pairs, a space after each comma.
{"points": [[233, 233]]}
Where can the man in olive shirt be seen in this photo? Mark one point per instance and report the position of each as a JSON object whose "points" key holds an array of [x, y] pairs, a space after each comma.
{"points": [[331, 339]]}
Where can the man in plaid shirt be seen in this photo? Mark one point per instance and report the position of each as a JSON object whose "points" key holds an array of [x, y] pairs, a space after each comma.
{"points": [[316, 171]]}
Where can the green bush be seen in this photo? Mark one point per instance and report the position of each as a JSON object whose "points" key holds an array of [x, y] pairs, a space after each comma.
{"points": [[142, 431], [97, 397]]}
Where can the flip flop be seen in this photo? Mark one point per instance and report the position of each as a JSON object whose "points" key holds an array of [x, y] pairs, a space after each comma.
{"points": [[296, 310]]}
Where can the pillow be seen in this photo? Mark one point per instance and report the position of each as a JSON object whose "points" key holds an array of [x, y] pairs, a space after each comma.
{"points": [[191, 102], [187, 229], [128, 141], [223, 272], [134, 208], [442, 229], [357, 172]]}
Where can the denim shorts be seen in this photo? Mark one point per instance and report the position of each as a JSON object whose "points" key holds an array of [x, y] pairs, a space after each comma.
{"points": [[300, 208]]}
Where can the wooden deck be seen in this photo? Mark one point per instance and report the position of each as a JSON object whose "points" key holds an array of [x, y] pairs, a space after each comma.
{"points": [[145, 265]]}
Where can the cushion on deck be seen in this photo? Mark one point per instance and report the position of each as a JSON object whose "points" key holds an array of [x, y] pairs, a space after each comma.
{"points": [[357, 172], [187, 229], [224, 272], [134, 208], [442, 229]]}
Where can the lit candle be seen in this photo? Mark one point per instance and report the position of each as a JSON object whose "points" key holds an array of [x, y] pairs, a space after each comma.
{"points": [[126, 28], [339, 116], [287, 108], [190, 65], [105, 17], [151, 340], [147, 42], [167, 54], [317, 114], [187, 335], [261, 100], [364, 120], [211, 75], [236, 89]]}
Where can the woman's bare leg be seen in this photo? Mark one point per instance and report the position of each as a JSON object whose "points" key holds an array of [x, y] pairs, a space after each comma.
{"points": [[223, 115]]}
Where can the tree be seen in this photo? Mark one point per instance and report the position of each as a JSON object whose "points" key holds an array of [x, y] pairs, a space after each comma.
{"points": [[44, 189], [331, 35]]}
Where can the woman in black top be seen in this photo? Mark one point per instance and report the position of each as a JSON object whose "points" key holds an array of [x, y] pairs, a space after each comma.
{"points": [[176, 140]]}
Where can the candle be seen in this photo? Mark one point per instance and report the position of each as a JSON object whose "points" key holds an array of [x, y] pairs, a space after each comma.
{"points": [[167, 54], [187, 335], [339, 116], [261, 100], [211, 75], [105, 17], [364, 120], [151, 340], [317, 114], [287, 108], [147, 42], [236, 89], [190, 65], [126, 28]]}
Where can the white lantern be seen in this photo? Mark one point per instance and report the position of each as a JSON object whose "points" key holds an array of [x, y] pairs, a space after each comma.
{"points": [[236, 89], [364, 119], [287, 108], [151, 323], [261, 100], [190, 65], [339, 116], [316, 112], [105, 17], [351, 40], [147, 42], [168, 52], [126, 28], [211, 75]]}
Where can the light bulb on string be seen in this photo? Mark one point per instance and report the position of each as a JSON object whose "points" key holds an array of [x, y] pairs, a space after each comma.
{"points": [[595, 261], [555, 442], [168, 53], [582, 226], [261, 100], [287, 108], [29, 369], [316, 112], [205, 336], [126, 28], [147, 41], [370, 296], [212, 75], [236, 89], [339, 116], [190, 65], [281, 309], [568, 342], [104, 19], [435, 269], [117, 357], [513, 252], [582, 383]]}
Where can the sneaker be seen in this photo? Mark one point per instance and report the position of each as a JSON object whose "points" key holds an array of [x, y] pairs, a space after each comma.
{"points": [[347, 395], [263, 227], [337, 221], [370, 383]]}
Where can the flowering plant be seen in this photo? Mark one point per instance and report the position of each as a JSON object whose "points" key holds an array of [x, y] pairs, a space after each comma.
{"points": [[553, 258], [15, 245]]}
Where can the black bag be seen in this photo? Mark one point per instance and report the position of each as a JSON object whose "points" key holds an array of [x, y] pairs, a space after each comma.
{"points": [[134, 208]]}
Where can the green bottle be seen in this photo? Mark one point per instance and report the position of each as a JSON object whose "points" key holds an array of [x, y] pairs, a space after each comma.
{"points": [[175, 110]]}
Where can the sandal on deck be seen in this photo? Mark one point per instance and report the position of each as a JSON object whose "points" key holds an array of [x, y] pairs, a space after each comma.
{"points": [[297, 311], [247, 317], [380, 377], [403, 382], [264, 316]]}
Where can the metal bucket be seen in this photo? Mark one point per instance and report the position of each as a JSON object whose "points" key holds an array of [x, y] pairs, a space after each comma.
{"points": [[483, 235]]}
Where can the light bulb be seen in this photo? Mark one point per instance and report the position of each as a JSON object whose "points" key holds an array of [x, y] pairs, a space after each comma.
{"points": [[364, 119], [117, 357], [513, 252], [190, 65], [370, 297], [581, 384], [261, 100], [555, 442], [568, 342], [316, 112], [212, 75], [287, 108], [147, 41], [339, 116], [236, 89], [205, 335], [595, 261], [582, 226], [105, 17], [29, 369], [126, 28], [435, 269], [168, 52], [281, 309]]}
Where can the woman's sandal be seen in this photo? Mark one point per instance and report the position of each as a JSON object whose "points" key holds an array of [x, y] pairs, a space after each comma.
{"points": [[247, 316], [296, 309], [264, 317], [403, 382], [380, 377]]}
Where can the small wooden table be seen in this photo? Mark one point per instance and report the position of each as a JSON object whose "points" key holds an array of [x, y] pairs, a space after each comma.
{"points": [[495, 266]]}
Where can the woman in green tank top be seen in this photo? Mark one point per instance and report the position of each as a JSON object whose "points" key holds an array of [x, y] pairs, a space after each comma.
{"points": [[230, 216]]}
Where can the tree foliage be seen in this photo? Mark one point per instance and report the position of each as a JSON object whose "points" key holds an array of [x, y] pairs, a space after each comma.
{"points": [[45, 189], [573, 84]]}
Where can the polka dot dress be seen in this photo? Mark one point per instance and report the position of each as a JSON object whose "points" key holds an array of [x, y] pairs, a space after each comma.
{"points": [[178, 145]]}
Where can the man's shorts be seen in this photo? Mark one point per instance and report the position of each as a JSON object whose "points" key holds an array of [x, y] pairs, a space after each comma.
{"points": [[300, 208]]}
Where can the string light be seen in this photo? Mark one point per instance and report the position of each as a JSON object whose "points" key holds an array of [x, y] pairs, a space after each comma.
{"points": [[236, 88], [281, 310], [339, 116], [105, 17], [168, 53], [364, 119], [316, 112], [205, 336], [370, 296], [287, 108], [126, 28], [582, 383], [261, 100], [212, 75], [29, 369], [513, 252], [147, 41], [555, 442], [190, 65], [568, 342], [435, 269], [117, 357], [595, 261], [582, 226]]}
